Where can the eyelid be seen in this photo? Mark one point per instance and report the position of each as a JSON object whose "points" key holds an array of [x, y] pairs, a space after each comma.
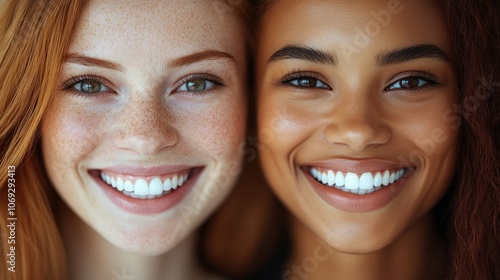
{"points": [[297, 74], [424, 75], [71, 82], [217, 81]]}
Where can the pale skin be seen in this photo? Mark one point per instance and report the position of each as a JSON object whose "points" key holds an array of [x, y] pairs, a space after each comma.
{"points": [[327, 100], [147, 87]]}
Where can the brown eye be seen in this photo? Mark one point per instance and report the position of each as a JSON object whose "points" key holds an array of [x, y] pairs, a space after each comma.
{"points": [[410, 83], [306, 82]]}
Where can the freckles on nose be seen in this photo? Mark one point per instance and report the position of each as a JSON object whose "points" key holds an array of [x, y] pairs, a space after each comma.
{"points": [[145, 128]]}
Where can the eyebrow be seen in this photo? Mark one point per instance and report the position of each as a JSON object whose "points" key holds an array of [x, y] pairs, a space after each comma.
{"points": [[178, 62], [411, 53], [199, 56], [304, 53], [91, 61]]}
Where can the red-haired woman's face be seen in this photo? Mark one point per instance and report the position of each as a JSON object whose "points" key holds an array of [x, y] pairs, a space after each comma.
{"points": [[143, 139], [351, 96]]}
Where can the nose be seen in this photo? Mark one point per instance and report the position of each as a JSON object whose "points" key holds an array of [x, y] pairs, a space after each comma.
{"points": [[357, 125], [145, 127]]}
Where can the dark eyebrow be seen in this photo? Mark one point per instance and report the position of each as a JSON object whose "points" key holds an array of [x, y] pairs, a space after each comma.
{"points": [[304, 53], [410, 53], [197, 57], [91, 61]]}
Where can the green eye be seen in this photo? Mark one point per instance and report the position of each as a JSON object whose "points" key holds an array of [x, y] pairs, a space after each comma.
{"points": [[196, 85], [90, 86]]}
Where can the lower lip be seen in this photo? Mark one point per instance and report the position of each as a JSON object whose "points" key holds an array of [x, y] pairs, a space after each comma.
{"points": [[148, 206], [351, 202]]}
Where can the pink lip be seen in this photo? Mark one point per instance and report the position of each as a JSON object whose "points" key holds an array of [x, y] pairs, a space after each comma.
{"points": [[146, 206], [350, 202], [357, 166]]}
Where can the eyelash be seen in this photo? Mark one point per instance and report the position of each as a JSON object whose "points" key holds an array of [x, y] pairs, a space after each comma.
{"points": [[298, 74], [69, 84], [218, 82], [430, 79]]}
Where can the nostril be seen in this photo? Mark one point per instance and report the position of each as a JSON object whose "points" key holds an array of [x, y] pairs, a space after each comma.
{"points": [[146, 141], [357, 136]]}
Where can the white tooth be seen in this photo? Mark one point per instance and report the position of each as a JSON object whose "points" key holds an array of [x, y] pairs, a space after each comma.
{"points": [[366, 181], [113, 182], [385, 178], [391, 178], [331, 178], [370, 191], [155, 187], [167, 185], [324, 178], [401, 173], [314, 173], [351, 181], [185, 178], [181, 181], [141, 187], [120, 185], [103, 177], [339, 179], [397, 175], [377, 180], [129, 186], [174, 182], [362, 191], [108, 180]]}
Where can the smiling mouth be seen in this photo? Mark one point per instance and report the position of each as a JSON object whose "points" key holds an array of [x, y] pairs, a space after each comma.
{"points": [[148, 187], [356, 183]]}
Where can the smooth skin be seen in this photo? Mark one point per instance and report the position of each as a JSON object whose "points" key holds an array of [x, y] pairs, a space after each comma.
{"points": [[340, 86], [146, 84]]}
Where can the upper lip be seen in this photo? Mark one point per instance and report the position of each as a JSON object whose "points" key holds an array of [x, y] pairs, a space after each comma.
{"points": [[135, 170], [357, 166]]}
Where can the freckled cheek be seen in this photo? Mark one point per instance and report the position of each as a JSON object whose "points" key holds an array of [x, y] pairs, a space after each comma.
{"points": [[220, 129], [69, 136]]}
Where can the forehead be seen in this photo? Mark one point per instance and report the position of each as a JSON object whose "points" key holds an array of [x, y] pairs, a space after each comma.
{"points": [[155, 26], [363, 25]]}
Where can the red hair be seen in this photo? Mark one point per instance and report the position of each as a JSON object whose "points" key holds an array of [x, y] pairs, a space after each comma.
{"points": [[34, 36], [473, 231]]}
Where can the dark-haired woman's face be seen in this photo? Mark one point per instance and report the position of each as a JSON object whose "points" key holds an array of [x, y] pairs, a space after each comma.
{"points": [[352, 98]]}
